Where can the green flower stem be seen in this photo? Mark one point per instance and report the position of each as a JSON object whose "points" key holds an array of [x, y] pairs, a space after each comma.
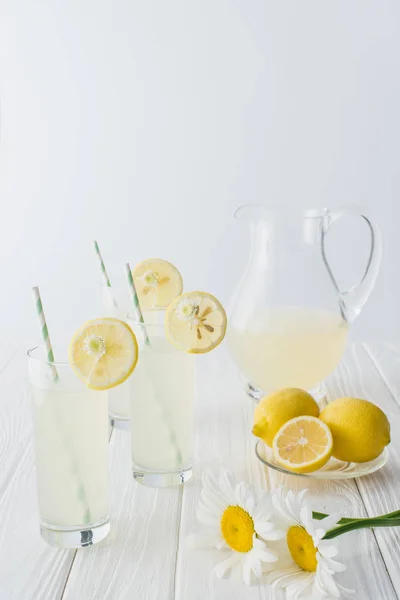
{"points": [[319, 516], [345, 525], [392, 515], [363, 523]]}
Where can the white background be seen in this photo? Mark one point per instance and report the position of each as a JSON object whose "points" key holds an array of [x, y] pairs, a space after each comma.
{"points": [[144, 124]]}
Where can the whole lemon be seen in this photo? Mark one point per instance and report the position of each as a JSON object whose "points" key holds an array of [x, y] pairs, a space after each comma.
{"points": [[360, 430], [275, 410]]}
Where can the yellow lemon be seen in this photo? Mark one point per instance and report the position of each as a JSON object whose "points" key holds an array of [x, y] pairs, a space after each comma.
{"points": [[303, 444], [103, 353], [195, 322], [359, 428], [157, 283], [274, 410]]}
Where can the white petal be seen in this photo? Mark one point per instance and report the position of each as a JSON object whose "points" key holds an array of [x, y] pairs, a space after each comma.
{"points": [[317, 535], [207, 518], [282, 577], [237, 572], [267, 530], [346, 590], [245, 497], [282, 510], [268, 556], [325, 582], [328, 549], [247, 572], [334, 565], [211, 511], [256, 568], [280, 548], [290, 501], [250, 499], [295, 502], [211, 493], [330, 521], [221, 544], [227, 486], [307, 519], [206, 538], [302, 582], [301, 495], [262, 552], [226, 565]]}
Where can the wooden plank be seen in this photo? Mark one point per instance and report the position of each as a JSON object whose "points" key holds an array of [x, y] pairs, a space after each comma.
{"points": [[137, 559], [386, 359], [224, 422], [29, 568], [379, 365]]}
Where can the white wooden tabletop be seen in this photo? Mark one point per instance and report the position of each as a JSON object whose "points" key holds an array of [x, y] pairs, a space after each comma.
{"points": [[146, 556]]}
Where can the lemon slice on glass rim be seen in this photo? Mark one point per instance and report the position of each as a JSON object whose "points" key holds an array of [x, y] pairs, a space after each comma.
{"points": [[195, 322], [103, 353], [303, 444], [157, 283]]}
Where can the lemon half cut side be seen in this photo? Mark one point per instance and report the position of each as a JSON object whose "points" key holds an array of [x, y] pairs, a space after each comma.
{"points": [[303, 444]]}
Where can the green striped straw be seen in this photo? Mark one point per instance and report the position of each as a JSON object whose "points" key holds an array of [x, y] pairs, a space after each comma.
{"points": [[103, 270], [44, 331], [137, 311]]}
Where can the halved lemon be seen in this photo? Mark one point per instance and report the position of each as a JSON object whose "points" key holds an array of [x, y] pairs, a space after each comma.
{"points": [[103, 353], [196, 322], [157, 282], [303, 444]]}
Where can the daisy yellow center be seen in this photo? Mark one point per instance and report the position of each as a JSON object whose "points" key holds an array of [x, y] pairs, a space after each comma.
{"points": [[301, 547], [237, 528], [95, 345], [151, 278]]}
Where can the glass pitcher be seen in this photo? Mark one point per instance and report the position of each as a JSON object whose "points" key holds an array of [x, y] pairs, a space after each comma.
{"points": [[289, 319]]}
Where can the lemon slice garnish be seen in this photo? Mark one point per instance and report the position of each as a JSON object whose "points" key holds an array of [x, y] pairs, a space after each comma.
{"points": [[103, 353], [303, 444], [157, 282], [195, 322]]}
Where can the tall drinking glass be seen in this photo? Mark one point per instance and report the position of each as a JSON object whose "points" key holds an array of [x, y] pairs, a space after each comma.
{"points": [[161, 401], [71, 448]]}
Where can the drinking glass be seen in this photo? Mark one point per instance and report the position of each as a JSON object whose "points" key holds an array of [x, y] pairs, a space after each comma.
{"points": [[116, 303], [161, 402], [71, 449]]}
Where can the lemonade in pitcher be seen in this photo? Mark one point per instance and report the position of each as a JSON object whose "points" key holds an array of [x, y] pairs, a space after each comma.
{"points": [[289, 347], [288, 317]]}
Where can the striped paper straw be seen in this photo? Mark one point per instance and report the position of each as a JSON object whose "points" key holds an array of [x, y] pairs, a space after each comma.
{"points": [[136, 306], [44, 331], [103, 270]]}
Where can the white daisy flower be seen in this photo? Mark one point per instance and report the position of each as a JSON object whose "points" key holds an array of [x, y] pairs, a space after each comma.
{"points": [[236, 522], [307, 564], [150, 278], [187, 308], [94, 345]]}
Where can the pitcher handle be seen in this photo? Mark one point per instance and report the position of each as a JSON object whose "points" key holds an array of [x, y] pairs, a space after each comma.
{"points": [[353, 299]]}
